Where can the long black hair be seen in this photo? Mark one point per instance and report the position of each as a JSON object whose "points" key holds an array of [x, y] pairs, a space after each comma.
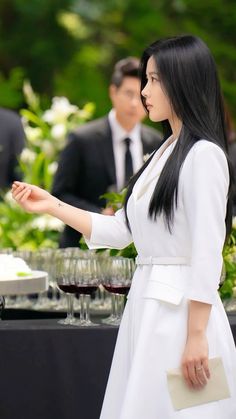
{"points": [[188, 75]]}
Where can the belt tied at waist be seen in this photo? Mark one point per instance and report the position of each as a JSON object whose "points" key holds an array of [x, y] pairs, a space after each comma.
{"points": [[162, 260]]}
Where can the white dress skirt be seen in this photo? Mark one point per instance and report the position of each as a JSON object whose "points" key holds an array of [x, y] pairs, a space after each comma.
{"points": [[174, 267]]}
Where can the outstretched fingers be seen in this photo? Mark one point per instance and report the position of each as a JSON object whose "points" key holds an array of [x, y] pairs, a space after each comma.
{"points": [[21, 193]]}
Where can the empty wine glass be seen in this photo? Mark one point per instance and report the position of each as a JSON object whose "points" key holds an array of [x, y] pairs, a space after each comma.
{"points": [[22, 301], [43, 260], [118, 272], [101, 304], [86, 280]]}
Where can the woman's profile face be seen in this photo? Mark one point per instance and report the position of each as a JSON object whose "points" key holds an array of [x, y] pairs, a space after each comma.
{"points": [[157, 102]]}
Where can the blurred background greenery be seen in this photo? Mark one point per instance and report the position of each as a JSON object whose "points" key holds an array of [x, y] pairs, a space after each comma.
{"points": [[68, 47]]}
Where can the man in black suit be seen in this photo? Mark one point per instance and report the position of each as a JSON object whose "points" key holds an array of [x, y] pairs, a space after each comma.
{"points": [[101, 155], [12, 140]]}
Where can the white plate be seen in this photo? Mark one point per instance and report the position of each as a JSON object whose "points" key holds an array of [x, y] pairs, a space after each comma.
{"points": [[38, 282]]}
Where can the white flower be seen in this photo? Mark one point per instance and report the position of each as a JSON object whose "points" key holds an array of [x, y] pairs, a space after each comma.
{"points": [[60, 110], [58, 131], [8, 198], [52, 168], [46, 222], [34, 135], [48, 148], [31, 98], [27, 156]]}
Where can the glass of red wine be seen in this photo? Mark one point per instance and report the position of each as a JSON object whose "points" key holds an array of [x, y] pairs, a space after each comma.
{"points": [[65, 281], [86, 278], [117, 277]]}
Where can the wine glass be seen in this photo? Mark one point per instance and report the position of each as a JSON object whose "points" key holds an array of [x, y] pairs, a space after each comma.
{"points": [[86, 280], [64, 276], [118, 272], [22, 301], [101, 303], [43, 259]]}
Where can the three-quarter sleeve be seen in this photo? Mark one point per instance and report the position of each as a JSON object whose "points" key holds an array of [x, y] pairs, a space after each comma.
{"points": [[109, 231], [205, 189]]}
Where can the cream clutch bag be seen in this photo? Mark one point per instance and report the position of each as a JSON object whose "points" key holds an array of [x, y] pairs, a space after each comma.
{"points": [[216, 388]]}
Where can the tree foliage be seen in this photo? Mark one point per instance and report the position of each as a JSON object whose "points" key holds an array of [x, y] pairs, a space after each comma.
{"points": [[68, 47]]}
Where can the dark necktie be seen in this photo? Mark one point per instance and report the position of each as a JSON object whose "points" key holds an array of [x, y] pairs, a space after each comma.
{"points": [[128, 161]]}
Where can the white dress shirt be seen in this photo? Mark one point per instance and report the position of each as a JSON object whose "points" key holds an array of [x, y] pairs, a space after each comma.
{"points": [[119, 148]]}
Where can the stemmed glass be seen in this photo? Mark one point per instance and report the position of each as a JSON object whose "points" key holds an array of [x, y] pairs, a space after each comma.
{"points": [[86, 279], [64, 268], [101, 303], [117, 276], [22, 301], [44, 259]]}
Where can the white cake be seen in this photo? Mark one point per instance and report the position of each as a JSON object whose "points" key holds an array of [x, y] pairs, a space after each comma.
{"points": [[13, 267]]}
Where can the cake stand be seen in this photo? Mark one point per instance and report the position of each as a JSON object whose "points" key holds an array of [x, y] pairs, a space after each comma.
{"points": [[36, 283]]}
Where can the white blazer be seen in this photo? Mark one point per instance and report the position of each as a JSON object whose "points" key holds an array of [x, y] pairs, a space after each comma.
{"points": [[198, 233]]}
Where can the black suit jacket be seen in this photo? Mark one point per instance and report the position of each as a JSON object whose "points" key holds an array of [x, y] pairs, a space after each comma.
{"points": [[86, 169], [12, 140]]}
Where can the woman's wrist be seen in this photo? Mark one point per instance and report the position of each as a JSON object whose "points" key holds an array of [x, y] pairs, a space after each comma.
{"points": [[196, 333], [54, 205]]}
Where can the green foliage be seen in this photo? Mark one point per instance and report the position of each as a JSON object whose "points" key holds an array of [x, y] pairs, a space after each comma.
{"points": [[45, 131], [11, 88], [229, 271], [17, 229], [114, 29], [68, 47], [115, 201], [32, 38]]}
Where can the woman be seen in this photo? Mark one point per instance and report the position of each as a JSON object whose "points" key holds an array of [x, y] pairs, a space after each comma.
{"points": [[175, 213]]}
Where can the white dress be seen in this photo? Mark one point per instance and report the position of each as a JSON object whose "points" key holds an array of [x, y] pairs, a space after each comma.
{"points": [[174, 268]]}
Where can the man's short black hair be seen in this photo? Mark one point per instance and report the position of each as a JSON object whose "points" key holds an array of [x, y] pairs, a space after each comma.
{"points": [[127, 67]]}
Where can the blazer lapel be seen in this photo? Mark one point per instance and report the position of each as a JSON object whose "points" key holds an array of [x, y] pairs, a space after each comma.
{"points": [[104, 132], [153, 170]]}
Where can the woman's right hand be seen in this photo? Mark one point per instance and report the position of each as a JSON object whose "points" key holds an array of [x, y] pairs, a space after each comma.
{"points": [[32, 198]]}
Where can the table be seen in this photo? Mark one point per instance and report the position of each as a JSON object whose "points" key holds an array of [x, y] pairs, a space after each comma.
{"points": [[50, 371]]}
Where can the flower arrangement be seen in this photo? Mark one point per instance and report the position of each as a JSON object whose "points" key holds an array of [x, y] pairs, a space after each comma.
{"points": [[45, 132]]}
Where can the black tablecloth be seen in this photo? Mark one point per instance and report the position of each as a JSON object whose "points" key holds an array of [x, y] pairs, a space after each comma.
{"points": [[50, 371]]}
